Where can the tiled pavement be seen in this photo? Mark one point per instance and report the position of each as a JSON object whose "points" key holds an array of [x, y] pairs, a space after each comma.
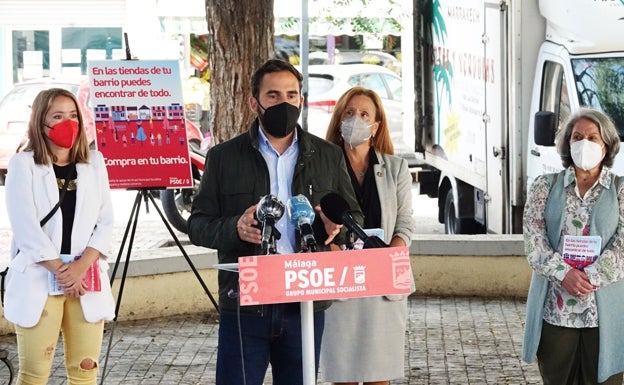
{"points": [[450, 341]]}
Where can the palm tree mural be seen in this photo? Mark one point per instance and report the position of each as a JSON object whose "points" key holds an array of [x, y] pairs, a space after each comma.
{"points": [[442, 71]]}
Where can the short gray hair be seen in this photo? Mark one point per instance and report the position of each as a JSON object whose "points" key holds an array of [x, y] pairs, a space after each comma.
{"points": [[608, 132]]}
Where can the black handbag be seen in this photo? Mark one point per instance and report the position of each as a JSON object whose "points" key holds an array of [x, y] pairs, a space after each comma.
{"points": [[45, 220]]}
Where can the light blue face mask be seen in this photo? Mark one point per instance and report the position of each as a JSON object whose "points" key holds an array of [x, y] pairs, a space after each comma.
{"points": [[355, 131]]}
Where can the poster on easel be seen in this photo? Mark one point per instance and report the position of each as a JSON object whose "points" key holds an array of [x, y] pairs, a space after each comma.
{"points": [[140, 122]]}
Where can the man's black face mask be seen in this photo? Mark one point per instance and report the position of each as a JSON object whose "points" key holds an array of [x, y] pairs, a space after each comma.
{"points": [[279, 120]]}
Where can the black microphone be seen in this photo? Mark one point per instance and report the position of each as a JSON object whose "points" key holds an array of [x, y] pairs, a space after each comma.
{"points": [[269, 210], [301, 216], [336, 209]]}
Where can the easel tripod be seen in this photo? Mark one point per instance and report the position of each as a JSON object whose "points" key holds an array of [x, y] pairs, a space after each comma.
{"points": [[145, 195]]}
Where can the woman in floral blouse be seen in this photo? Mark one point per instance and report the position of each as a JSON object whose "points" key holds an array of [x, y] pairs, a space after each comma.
{"points": [[575, 307]]}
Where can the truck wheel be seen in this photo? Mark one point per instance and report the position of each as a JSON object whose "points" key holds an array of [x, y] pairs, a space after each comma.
{"points": [[455, 225], [452, 223]]}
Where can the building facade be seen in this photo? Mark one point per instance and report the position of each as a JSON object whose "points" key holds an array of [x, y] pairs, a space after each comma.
{"points": [[40, 38]]}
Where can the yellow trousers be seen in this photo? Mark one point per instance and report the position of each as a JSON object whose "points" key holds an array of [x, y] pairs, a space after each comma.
{"points": [[82, 342]]}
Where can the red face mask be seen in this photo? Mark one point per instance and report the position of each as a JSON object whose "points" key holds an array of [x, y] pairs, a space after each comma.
{"points": [[64, 134]]}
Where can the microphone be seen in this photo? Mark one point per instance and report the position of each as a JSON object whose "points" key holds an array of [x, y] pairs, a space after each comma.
{"points": [[337, 210], [269, 210], [301, 216]]}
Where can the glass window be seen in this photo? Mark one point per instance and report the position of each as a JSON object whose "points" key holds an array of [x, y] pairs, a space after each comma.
{"points": [[375, 83], [355, 80], [319, 84], [395, 85], [599, 83], [555, 96], [563, 107], [82, 44], [31, 54]]}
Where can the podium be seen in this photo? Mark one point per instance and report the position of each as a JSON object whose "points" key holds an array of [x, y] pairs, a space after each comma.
{"points": [[308, 277]]}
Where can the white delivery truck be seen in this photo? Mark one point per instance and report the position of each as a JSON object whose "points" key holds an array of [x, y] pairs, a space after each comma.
{"points": [[483, 71]]}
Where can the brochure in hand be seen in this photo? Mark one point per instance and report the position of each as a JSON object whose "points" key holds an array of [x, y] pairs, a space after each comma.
{"points": [[581, 251], [92, 278]]}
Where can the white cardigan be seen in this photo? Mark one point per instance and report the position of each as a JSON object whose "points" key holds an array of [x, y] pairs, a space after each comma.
{"points": [[31, 192]]}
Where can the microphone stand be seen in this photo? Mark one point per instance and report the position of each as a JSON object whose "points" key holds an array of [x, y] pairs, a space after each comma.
{"points": [[308, 244], [307, 329], [271, 246], [350, 242]]}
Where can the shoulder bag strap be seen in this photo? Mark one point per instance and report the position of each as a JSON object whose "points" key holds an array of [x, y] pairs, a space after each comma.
{"points": [[61, 197], [3, 274]]}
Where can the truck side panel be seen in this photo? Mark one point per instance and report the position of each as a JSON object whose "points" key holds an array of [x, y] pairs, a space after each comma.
{"points": [[466, 139], [476, 97], [460, 71]]}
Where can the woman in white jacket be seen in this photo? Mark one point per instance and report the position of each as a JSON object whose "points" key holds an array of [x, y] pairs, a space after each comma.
{"points": [[80, 231]]}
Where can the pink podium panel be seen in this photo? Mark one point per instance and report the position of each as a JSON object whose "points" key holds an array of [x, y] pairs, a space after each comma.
{"points": [[302, 277]]}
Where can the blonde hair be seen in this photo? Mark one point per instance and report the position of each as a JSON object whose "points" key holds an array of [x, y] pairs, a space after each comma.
{"points": [[37, 140], [381, 141]]}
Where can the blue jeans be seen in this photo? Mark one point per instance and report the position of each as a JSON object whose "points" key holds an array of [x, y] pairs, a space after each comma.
{"points": [[274, 338]]}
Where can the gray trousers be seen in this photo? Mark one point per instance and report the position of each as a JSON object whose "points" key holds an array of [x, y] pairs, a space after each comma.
{"points": [[569, 356]]}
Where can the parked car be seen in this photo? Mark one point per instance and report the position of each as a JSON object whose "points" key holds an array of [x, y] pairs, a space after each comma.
{"points": [[287, 49], [379, 58], [326, 83]]}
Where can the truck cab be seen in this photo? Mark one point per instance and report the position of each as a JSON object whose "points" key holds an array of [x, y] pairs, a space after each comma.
{"points": [[487, 68], [579, 65]]}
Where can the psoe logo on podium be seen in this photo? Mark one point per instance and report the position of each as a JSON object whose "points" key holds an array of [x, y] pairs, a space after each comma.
{"points": [[302, 277]]}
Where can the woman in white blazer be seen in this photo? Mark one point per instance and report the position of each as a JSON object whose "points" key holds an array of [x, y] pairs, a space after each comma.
{"points": [[81, 227], [364, 338]]}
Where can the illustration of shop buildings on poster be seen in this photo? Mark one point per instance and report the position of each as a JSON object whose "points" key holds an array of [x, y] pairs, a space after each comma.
{"points": [[131, 125]]}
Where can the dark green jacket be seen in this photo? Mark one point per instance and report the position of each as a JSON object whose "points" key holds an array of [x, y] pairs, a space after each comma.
{"points": [[236, 177]]}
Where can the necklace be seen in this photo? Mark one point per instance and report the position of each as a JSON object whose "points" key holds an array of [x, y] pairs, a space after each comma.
{"points": [[360, 173], [71, 186], [362, 166]]}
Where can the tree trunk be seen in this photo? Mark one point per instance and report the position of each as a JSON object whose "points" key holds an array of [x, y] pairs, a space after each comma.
{"points": [[240, 39]]}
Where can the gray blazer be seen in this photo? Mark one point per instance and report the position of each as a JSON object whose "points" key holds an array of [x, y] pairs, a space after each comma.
{"points": [[394, 185]]}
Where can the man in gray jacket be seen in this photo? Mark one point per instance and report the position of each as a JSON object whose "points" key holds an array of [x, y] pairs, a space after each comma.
{"points": [[275, 156]]}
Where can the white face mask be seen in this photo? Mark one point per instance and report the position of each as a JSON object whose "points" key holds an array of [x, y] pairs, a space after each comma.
{"points": [[355, 131], [586, 154]]}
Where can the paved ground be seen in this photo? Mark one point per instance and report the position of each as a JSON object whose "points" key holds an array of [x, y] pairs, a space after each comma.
{"points": [[451, 341]]}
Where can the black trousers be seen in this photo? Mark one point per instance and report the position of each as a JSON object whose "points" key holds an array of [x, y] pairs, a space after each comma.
{"points": [[569, 356]]}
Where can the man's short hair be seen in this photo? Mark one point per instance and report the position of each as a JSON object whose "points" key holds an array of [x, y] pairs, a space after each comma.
{"points": [[270, 66]]}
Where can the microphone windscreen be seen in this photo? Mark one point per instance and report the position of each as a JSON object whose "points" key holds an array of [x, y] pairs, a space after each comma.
{"points": [[269, 206], [299, 210], [333, 206]]}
